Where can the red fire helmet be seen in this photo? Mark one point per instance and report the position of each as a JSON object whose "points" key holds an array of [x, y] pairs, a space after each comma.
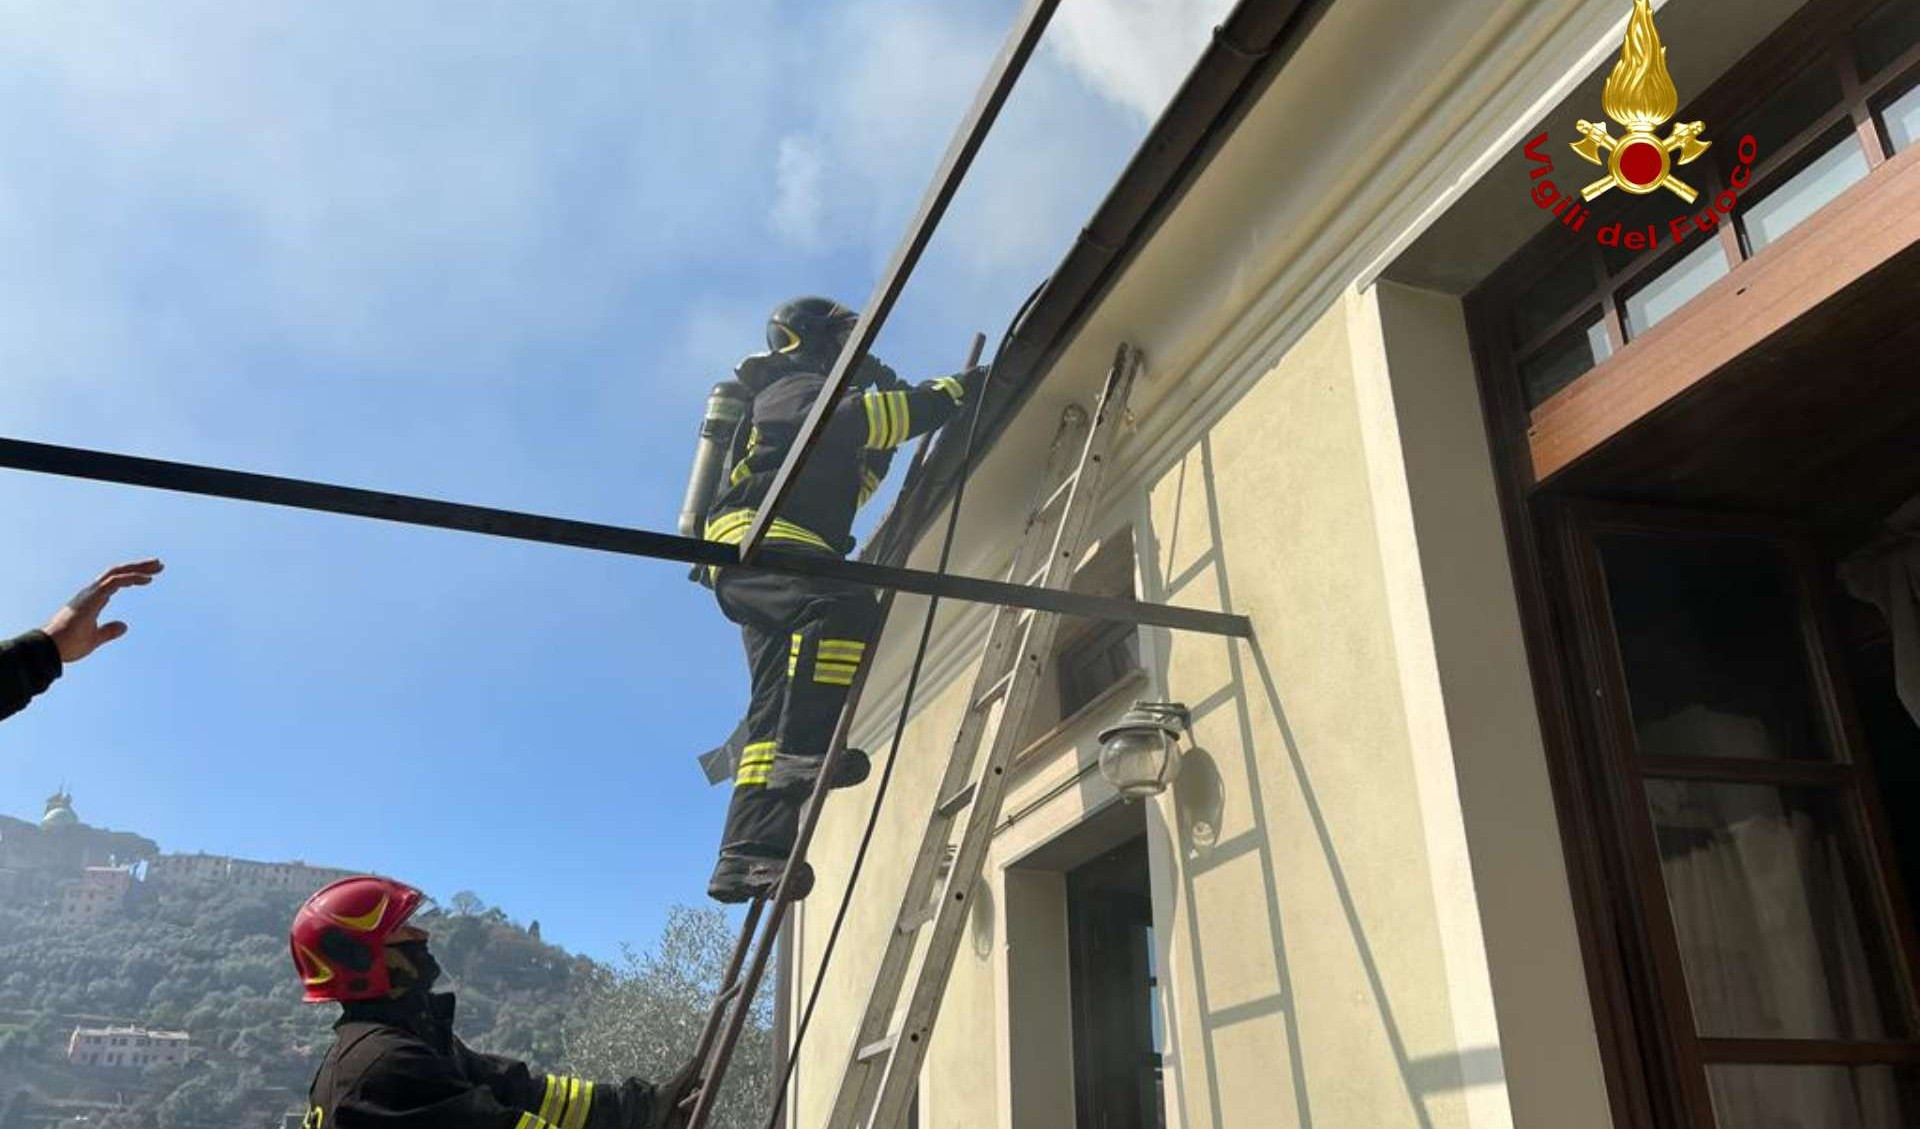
{"points": [[339, 937]]}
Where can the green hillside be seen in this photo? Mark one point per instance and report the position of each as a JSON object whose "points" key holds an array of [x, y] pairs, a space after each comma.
{"points": [[213, 962]]}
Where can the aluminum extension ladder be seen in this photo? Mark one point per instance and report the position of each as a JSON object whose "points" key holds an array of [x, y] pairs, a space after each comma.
{"points": [[884, 1066]]}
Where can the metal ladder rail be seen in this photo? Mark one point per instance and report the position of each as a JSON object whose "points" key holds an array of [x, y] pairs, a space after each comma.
{"points": [[883, 1068], [760, 931]]}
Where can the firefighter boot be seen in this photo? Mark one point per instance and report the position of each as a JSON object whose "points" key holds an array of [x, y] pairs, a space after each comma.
{"points": [[794, 773], [740, 877]]}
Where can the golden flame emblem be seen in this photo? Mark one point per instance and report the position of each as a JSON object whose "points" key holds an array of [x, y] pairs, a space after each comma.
{"points": [[1640, 96]]}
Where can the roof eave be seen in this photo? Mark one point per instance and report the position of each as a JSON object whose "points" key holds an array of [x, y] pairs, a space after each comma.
{"points": [[1241, 60]]}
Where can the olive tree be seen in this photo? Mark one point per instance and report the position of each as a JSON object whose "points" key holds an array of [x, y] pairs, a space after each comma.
{"points": [[643, 1015]]}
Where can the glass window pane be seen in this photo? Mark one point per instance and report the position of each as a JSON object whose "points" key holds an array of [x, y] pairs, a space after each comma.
{"points": [[1557, 364], [1710, 642], [1636, 214], [1805, 192], [1792, 109], [1774, 944], [1902, 118], [1814, 1097], [1885, 35], [1570, 282], [1675, 286]]}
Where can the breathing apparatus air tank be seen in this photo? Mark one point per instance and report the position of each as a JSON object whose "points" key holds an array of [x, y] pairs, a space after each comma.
{"points": [[726, 407]]}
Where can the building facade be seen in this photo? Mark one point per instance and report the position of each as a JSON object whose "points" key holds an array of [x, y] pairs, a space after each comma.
{"points": [[1570, 778], [127, 1048], [61, 843], [100, 893], [294, 877]]}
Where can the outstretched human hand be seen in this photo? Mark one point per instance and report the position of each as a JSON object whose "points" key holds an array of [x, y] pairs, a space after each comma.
{"points": [[76, 629]]}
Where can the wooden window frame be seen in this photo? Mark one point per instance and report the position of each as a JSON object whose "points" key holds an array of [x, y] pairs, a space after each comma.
{"points": [[1887, 922], [1820, 35], [1646, 1080], [1079, 688]]}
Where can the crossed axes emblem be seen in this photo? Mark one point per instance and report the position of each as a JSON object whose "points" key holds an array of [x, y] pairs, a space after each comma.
{"points": [[1681, 145]]}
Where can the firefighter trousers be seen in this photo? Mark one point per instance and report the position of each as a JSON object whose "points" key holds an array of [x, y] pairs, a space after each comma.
{"points": [[805, 639]]}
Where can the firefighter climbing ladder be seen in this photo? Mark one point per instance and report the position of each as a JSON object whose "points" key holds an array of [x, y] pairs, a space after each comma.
{"points": [[884, 1065], [727, 1018], [890, 1045]]}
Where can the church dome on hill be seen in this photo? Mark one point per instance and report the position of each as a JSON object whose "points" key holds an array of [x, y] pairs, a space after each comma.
{"points": [[59, 811]]}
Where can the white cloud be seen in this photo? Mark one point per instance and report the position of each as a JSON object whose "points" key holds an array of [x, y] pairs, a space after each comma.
{"points": [[1135, 52], [799, 180], [881, 116]]}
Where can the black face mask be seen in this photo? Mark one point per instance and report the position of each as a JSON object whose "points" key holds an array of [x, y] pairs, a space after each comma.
{"points": [[426, 970]]}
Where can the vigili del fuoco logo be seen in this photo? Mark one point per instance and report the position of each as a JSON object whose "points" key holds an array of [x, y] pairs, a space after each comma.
{"points": [[1640, 98]]}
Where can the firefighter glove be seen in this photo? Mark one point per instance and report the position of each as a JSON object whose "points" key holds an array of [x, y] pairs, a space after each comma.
{"points": [[673, 1099]]}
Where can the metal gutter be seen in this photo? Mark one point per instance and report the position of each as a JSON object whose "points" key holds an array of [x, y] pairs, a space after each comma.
{"points": [[1246, 52]]}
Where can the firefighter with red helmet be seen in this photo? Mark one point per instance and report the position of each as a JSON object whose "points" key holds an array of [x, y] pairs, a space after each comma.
{"points": [[395, 1062]]}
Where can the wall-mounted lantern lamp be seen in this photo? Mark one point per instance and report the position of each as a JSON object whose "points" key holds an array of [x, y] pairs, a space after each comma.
{"points": [[1140, 754]]}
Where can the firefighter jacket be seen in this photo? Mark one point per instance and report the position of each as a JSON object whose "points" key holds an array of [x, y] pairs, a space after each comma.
{"points": [[28, 665], [845, 465], [396, 1064]]}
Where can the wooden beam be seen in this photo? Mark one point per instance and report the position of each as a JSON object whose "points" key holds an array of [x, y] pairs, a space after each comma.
{"points": [[1864, 228]]}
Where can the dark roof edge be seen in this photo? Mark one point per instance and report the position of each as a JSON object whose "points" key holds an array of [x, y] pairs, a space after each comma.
{"points": [[1246, 52]]}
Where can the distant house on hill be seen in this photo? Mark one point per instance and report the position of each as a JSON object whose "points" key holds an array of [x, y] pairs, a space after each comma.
{"points": [[291, 877], [101, 892], [129, 1048]]}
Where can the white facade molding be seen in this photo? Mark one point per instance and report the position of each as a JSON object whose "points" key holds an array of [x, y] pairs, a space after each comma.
{"points": [[1514, 59]]}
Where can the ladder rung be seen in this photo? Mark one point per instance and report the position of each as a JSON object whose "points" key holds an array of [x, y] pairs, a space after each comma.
{"points": [[996, 691], [957, 802], [1059, 492], [875, 1090], [910, 922]]}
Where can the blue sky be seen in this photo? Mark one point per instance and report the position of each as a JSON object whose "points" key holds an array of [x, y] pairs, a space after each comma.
{"points": [[492, 252]]}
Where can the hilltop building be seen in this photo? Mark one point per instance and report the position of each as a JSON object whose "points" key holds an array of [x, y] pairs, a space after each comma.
{"points": [[62, 843], [82, 873], [294, 877], [101, 892], [127, 1048]]}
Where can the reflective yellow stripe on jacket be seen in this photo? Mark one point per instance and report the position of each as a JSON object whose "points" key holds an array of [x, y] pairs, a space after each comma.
{"points": [[565, 1104], [756, 761], [837, 661], [889, 419], [731, 528]]}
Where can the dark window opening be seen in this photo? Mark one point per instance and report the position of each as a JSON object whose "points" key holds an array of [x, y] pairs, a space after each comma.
{"points": [[1893, 30], [1118, 1029], [1099, 660], [1090, 657], [1774, 914]]}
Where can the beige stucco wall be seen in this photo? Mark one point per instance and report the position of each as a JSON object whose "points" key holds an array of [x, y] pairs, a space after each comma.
{"points": [[1477, 729], [1365, 816], [1358, 882], [1311, 983]]}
